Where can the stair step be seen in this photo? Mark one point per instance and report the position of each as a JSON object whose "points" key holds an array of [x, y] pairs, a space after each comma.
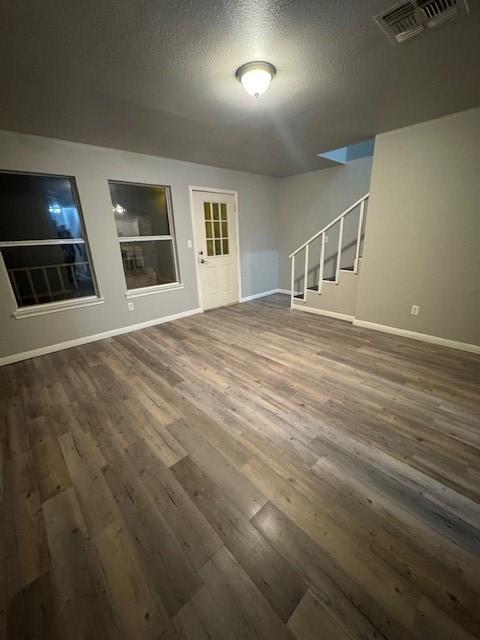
{"points": [[299, 296], [315, 287]]}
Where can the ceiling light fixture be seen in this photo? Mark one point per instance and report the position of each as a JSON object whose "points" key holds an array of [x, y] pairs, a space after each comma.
{"points": [[255, 77]]}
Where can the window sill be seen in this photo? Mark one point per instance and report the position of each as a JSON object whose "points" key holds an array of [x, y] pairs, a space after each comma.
{"points": [[53, 307], [148, 291]]}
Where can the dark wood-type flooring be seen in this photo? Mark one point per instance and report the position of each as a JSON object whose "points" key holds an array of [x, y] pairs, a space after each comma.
{"points": [[250, 472]]}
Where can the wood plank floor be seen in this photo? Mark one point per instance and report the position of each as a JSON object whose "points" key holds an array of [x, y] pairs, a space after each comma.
{"points": [[251, 472]]}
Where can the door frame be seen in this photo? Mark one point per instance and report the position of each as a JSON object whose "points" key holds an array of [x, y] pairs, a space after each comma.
{"points": [[230, 192]]}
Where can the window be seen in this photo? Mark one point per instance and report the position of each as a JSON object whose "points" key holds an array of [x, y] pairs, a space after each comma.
{"points": [[42, 241], [216, 228], [145, 232]]}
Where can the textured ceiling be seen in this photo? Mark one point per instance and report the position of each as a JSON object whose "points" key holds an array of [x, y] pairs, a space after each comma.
{"points": [[157, 76]]}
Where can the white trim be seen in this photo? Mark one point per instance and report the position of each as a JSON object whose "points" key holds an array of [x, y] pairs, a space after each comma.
{"points": [[148, 291], [195, 247], [41, 243], [53, 307], [425, 337], [259, 295], [194, 187], [231, 192], [143, 238], [286, 291], [323, 312], [97, 336]]}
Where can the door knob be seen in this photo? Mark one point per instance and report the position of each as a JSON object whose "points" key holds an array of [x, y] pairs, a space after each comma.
{"points": [[202, 261]]}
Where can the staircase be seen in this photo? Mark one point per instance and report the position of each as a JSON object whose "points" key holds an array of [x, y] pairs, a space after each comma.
{"points": [[333, 295]]}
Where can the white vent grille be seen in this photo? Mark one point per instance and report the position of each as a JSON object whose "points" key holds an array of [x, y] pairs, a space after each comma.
{"points": [[437, 11], [401, 23], [411, 18]]}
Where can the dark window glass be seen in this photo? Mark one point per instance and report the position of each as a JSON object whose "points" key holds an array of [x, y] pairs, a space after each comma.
{"points": [[148, 264], [140, 210], [43, 208], [48, 273], [38, 208]]}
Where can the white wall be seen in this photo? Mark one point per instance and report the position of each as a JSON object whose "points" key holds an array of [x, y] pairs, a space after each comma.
{"points": [[92, 167], [423, 230]]}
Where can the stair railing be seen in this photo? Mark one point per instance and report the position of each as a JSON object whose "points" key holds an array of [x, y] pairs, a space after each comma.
{"points": [[340, 221]]}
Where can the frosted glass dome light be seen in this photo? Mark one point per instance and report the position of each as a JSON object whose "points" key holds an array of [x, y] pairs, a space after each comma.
{"points": [[256, 77]]}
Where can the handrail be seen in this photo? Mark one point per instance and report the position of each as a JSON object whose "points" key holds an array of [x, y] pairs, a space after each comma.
{"points": [[330, 224]]}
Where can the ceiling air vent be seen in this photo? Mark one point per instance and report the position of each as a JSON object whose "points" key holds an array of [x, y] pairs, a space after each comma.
{"points": [[401, 23], [409, 19], [437, 11]]}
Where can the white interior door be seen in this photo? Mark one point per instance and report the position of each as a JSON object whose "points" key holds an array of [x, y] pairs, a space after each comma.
{"points": [[217, 246]]}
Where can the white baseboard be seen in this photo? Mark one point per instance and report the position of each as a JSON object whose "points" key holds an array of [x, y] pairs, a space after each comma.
{"points": [[260, 295], [286, 291], [454, 344], [323, 312], [97, 336], [425, 337]]}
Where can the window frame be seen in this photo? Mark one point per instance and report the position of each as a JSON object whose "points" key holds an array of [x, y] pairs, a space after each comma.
{"points": [[55, 305], [172, 237]]}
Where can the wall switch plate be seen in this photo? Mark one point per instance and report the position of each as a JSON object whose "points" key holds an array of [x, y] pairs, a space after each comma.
{"points": [[131, 306], [189, 244], [414, 310]]}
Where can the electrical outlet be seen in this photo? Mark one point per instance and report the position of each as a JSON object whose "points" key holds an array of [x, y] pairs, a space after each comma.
{"points": [[326, 238], [131, 306], [414, 310], [189, 244]]}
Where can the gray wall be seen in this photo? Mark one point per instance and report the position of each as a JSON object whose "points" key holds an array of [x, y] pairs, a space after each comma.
{"points": [[422, 237], [309, 201], [92, 167], [423, 230]]}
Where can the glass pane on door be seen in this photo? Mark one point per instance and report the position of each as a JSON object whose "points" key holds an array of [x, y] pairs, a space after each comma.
{"points": [[216, 228]]}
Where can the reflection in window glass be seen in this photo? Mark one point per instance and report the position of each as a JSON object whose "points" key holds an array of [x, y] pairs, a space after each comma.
{"points": [[37, 208], [145, 232], [48, 273], [148, 264], [44, 209], [140, 210]]}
